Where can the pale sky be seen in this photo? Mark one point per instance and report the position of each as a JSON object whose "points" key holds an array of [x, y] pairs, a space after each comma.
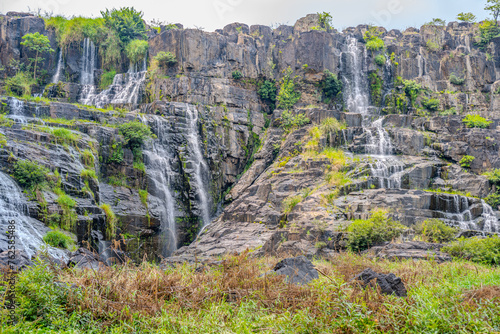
{"points": [[214, 14]]}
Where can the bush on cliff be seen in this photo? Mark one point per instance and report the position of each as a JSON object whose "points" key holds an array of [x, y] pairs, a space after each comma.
{"points": [[20, 84], [476, 121], [135, 133], [29, 174], [363, 234], [288, 95], [137, 50], [58, 239], [476, 249], [126, 22], [331, 86], [435, 230], [267, 92]]}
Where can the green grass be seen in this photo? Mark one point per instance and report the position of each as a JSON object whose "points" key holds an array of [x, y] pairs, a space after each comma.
{"points": [[111, 221], [455, 297]]}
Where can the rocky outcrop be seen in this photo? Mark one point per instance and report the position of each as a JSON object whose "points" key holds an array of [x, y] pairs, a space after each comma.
{"points": [[389, 284], [297, 270], [415, 250]]}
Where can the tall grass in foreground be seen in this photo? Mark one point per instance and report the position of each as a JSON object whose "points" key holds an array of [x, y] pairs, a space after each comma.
{"points": [[457, 297]]}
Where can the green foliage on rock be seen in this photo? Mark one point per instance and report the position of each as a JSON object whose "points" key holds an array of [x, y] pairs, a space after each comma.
{"points": [[436, 22], [493, 200], [290, 121], [325, 20], [331, 86], [430, 104], [372, 39], [466, 17], [39, 44], [267, 92], [456, 80], [288, 95], [435, 230], [493, 6], [111, 221], [165, 59], [476, 121], [107, 78], [493, 176], [375, 88], [58, 239], [136, 50], [412, 90], [126, 22], [380, 60], [237, 75], [488, 30], [363, 234], [466, 161], [29, 174], [135, 133], [476, 249], [20, 84]]}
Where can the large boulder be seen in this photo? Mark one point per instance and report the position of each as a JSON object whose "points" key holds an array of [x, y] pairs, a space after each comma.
{"points": [[389, 284], [19, 261], [84, 258], [298, 270]]}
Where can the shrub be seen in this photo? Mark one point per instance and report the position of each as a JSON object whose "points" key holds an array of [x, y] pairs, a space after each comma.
{"points": [[290, 202], [372, 39], [325, 20], [331, 125], [291, 122], [436, 22], [466, 161], [363, 234], [110, 221], [380, 60], [237, 75], [481, 250], [126, 22], [287, 96], [456, 80], [165, 59], [20, 84], [29, 174], [137, 50], [375, 88], [135, 133], [433, 46], [107, 78], [466, 17], [476, 121], [493, 200], [412, 90], [38, 298], [58, 239], [68, 217], [488, 30], [88, 174], [331, 86], [143, 194], [435, 230], [267, 92], [375, 44], [493, 176], [431, 104]]}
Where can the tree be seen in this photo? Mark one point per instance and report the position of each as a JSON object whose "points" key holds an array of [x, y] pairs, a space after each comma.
{"points": [[494, 7], [39, 44], [437, 22], [466, 17], [126, 22], [325, 20]]}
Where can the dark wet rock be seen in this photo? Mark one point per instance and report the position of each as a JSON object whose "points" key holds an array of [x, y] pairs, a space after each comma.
{"points": [[389, 284], [298, 270], [415, 250], [85, 259], [16, 261]]}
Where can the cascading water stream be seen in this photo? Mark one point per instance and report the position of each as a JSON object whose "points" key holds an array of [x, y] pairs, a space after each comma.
{"points": [[353, 61], [158, 165], [200, 168], [29, 232], [57, 76], [88, 63], [125, 89]]}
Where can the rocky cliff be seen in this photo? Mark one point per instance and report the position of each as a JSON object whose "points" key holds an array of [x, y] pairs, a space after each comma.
{"points": [[223, 161]]}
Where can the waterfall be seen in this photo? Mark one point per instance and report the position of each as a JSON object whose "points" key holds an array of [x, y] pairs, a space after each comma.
{"points": [[387, 172], [16, 108], [29, 232], [88, 63], [420, 62], [200, 168], [158, 162], [355, 81], [490, 219], [57, 76], [379, 144], [125, 89]]}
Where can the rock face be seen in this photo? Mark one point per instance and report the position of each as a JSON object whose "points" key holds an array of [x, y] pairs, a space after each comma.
{"points": [[389, 284], [19, 261], [298, 270], [415, 250], [223, 173]]}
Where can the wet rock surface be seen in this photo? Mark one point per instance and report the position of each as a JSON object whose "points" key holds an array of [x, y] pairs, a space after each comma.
{"points": [[389, 284]]}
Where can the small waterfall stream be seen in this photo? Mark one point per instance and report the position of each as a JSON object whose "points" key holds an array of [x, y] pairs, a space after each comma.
{"points": [[125, 89], [29, 232], [57, 76], [158, 164], [200, 168], [88, 63]]}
